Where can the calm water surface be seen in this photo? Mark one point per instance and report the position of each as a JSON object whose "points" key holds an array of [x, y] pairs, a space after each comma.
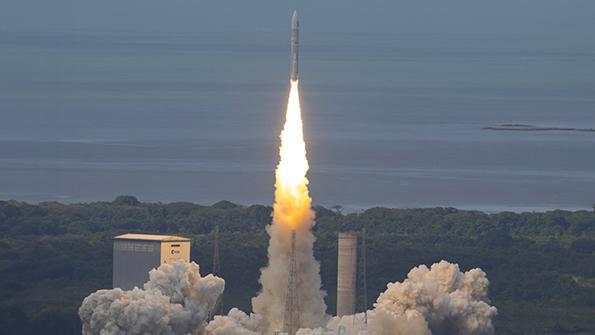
{"points": [[391, 120]]}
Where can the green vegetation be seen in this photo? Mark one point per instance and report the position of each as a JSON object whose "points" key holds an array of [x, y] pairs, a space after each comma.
{"points": [[541, 265]]}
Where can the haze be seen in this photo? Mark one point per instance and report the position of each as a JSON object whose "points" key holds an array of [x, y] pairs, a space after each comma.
{"points": [[183, 100]]}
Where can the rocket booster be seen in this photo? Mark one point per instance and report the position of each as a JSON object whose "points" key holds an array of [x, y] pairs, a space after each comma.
{"points": [[295, 43]]}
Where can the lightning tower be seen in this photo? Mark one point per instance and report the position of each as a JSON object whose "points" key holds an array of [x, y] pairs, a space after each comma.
{"points": [[216, 271], [291, 319], [216, 266], [363, 281]]}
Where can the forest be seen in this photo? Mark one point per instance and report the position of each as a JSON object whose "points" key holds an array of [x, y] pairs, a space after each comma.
{"points": [[541, 265]]}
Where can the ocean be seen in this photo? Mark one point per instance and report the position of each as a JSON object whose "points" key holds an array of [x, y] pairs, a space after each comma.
{"points": [[393, 120]]}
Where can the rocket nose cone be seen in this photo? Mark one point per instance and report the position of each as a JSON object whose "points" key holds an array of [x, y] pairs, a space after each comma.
{"points": [[294, 17]]}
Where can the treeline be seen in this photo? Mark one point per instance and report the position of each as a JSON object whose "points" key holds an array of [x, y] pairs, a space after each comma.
{"points": [[541, 265]]}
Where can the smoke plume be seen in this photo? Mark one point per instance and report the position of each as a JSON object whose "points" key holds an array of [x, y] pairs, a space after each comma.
{"points": [[440, 300], [235, 322], [175, 300], [291, 212], [448, 300]]}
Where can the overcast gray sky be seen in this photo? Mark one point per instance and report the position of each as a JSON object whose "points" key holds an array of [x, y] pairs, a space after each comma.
{"points": [[392, 16]]}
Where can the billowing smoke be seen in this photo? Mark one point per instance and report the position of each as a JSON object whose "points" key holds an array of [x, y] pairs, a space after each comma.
{"points": [[440, 300], [291, 212], [175, 300], [235, 323], [270, 302], [448, 300]]}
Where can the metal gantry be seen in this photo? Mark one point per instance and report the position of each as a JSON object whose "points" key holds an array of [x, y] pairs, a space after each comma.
{"points": [[291, 319]]}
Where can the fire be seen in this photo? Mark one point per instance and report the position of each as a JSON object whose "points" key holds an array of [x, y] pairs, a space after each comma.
{"points": [[291, 213], [292, 199]]}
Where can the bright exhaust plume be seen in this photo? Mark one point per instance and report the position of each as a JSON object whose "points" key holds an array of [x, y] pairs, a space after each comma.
{"points": [[292, 198], [291, 212]]}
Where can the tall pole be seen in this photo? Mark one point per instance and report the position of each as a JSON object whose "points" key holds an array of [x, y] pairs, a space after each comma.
{"points": [[363, 277], [216, 271], [216, 265], [291, 319]]}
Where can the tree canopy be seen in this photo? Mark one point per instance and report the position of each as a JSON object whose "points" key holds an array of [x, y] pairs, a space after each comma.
{"points": [[540, 265]]}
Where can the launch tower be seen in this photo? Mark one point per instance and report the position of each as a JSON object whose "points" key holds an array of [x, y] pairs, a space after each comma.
{"points": [[291, 319]]}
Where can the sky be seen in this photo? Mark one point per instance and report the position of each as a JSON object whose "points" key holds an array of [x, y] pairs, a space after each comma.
{"points": [[501, 17]]}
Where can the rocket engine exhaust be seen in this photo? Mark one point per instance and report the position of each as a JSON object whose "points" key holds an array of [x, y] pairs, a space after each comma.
{"points": [[291, 213], [178, 300]]}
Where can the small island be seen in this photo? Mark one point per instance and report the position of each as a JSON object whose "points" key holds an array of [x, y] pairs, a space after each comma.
{"points": [[528, 127]]}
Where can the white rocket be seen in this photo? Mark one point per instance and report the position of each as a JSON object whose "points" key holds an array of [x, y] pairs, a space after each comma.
{"points": [[295, 43]]}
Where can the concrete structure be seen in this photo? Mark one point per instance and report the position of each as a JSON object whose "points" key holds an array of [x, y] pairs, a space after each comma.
{"points": [[137, 254], [346, 273]]}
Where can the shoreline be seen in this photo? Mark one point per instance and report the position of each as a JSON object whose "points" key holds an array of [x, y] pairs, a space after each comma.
{"points": [[345, 209]]}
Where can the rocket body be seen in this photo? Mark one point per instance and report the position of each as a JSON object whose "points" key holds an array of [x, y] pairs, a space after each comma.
{"points": [[295, 43]]}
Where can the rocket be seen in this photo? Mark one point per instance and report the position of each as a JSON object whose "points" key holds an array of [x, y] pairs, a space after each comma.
{"points": [[295, 43]]}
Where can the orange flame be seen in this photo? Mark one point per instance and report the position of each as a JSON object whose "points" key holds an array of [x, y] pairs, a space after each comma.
{"points": [[292, 199]]}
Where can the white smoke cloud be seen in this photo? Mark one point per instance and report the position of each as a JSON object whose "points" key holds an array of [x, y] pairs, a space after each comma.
{"points": [[175, 300], [440, 300], [270, 302], [346, 325], [235, 322], [450, 301]]}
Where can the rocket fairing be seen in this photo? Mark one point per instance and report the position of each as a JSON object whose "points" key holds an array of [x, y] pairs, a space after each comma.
{"points": [[295, 43]]}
